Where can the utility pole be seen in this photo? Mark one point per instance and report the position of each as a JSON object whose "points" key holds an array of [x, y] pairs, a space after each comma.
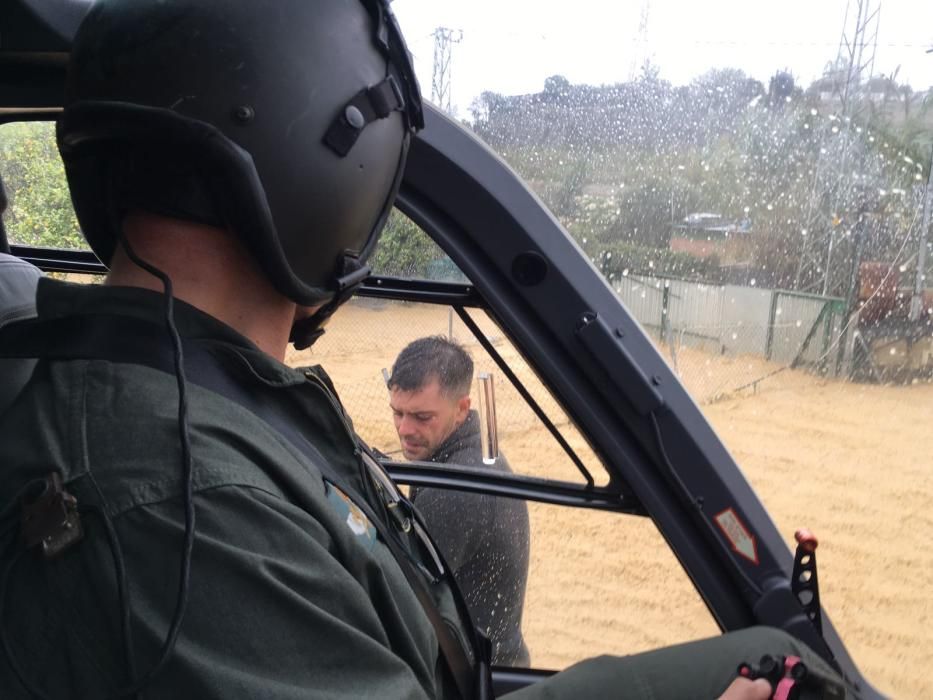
{"points": [[819, 266], [444, 39], [916, 301], [640, 49], [859, 64]]}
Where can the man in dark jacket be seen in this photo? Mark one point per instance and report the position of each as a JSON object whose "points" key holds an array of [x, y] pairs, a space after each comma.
{"points": [[484, 538]]}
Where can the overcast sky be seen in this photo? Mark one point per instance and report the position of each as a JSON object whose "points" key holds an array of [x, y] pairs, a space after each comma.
{"points": [[511, 46]]}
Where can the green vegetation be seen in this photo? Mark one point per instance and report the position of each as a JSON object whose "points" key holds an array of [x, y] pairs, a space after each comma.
{"points": [[40, 211], [404, 250], [622, 166]]}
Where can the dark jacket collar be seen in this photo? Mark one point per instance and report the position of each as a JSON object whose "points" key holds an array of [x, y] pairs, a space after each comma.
{"points": [[56, 299]]}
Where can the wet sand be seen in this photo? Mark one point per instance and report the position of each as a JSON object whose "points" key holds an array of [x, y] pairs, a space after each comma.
{"points": [[852, 462]]}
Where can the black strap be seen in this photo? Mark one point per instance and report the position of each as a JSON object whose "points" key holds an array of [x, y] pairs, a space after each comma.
{"points": [[368, 105], [134, 341], [391, 43]]}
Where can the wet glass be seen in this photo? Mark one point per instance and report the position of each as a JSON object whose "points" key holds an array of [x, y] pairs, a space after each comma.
{"points": [[754, 181]]}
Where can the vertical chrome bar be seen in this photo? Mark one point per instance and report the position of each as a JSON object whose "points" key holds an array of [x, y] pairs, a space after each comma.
{"points": [[489, 434]]}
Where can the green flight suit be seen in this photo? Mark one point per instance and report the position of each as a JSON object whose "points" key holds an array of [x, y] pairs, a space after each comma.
{"points": [[289, 597]]}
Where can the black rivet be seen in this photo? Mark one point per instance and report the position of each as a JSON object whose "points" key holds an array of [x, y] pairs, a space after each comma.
{"points": [[244, 114], [354, 117], [529, 268], [656, 380], [620, 333]]}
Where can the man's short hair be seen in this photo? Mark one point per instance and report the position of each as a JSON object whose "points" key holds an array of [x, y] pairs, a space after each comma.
{"points": [[433, 357]]}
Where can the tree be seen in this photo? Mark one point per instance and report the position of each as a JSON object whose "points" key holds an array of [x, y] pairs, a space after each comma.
{"points": [[649, 72], [556, 85], [485, 112], [780, 89], [404, 250]]}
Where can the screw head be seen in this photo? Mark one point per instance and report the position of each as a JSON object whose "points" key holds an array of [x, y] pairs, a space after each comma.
{"points": [[244, 114]]}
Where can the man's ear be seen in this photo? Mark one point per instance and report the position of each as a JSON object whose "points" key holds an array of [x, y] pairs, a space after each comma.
{"points": [[463, 408]]}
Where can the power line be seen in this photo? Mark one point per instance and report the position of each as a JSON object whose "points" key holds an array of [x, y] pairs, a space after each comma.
{"points": [[752, 42]]}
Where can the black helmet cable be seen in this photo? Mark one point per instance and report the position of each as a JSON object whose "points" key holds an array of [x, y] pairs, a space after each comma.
{"points": [[181, 602]]}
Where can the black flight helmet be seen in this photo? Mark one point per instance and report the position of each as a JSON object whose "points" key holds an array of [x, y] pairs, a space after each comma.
{"points": [[286, 122]]}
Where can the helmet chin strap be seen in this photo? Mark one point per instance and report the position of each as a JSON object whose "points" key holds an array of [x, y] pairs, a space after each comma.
{"points": [[306, 331]]}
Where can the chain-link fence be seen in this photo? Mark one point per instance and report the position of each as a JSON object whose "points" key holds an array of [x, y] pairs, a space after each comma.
{"points": [[721, 339], [718, 339]]}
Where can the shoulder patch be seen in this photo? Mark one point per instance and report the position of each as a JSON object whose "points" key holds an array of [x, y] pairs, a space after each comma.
{"points": [[351, 514]]}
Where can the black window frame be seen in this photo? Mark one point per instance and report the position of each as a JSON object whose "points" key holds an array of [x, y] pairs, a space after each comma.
{"points": [[611, 381]]}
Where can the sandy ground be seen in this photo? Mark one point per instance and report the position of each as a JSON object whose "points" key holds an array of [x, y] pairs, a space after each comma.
{"points": [[852, 462]]}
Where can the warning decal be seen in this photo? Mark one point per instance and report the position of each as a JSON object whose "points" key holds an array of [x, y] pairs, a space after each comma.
{"points": [[742, 541]]}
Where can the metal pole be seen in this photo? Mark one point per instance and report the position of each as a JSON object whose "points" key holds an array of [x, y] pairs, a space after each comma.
{"points": [[489, 430], [829, 260], [665, 312], [772, 319], [916, 301], [853, 290]]}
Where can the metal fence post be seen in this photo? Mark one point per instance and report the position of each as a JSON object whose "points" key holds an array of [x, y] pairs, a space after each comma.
{"points": [[799, 357], [665, 311], [916, 301], [772, 317], [827, 336]]}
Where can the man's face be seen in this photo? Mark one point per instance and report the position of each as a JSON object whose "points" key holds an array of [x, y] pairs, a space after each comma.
{"points": [[425, 417]]}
